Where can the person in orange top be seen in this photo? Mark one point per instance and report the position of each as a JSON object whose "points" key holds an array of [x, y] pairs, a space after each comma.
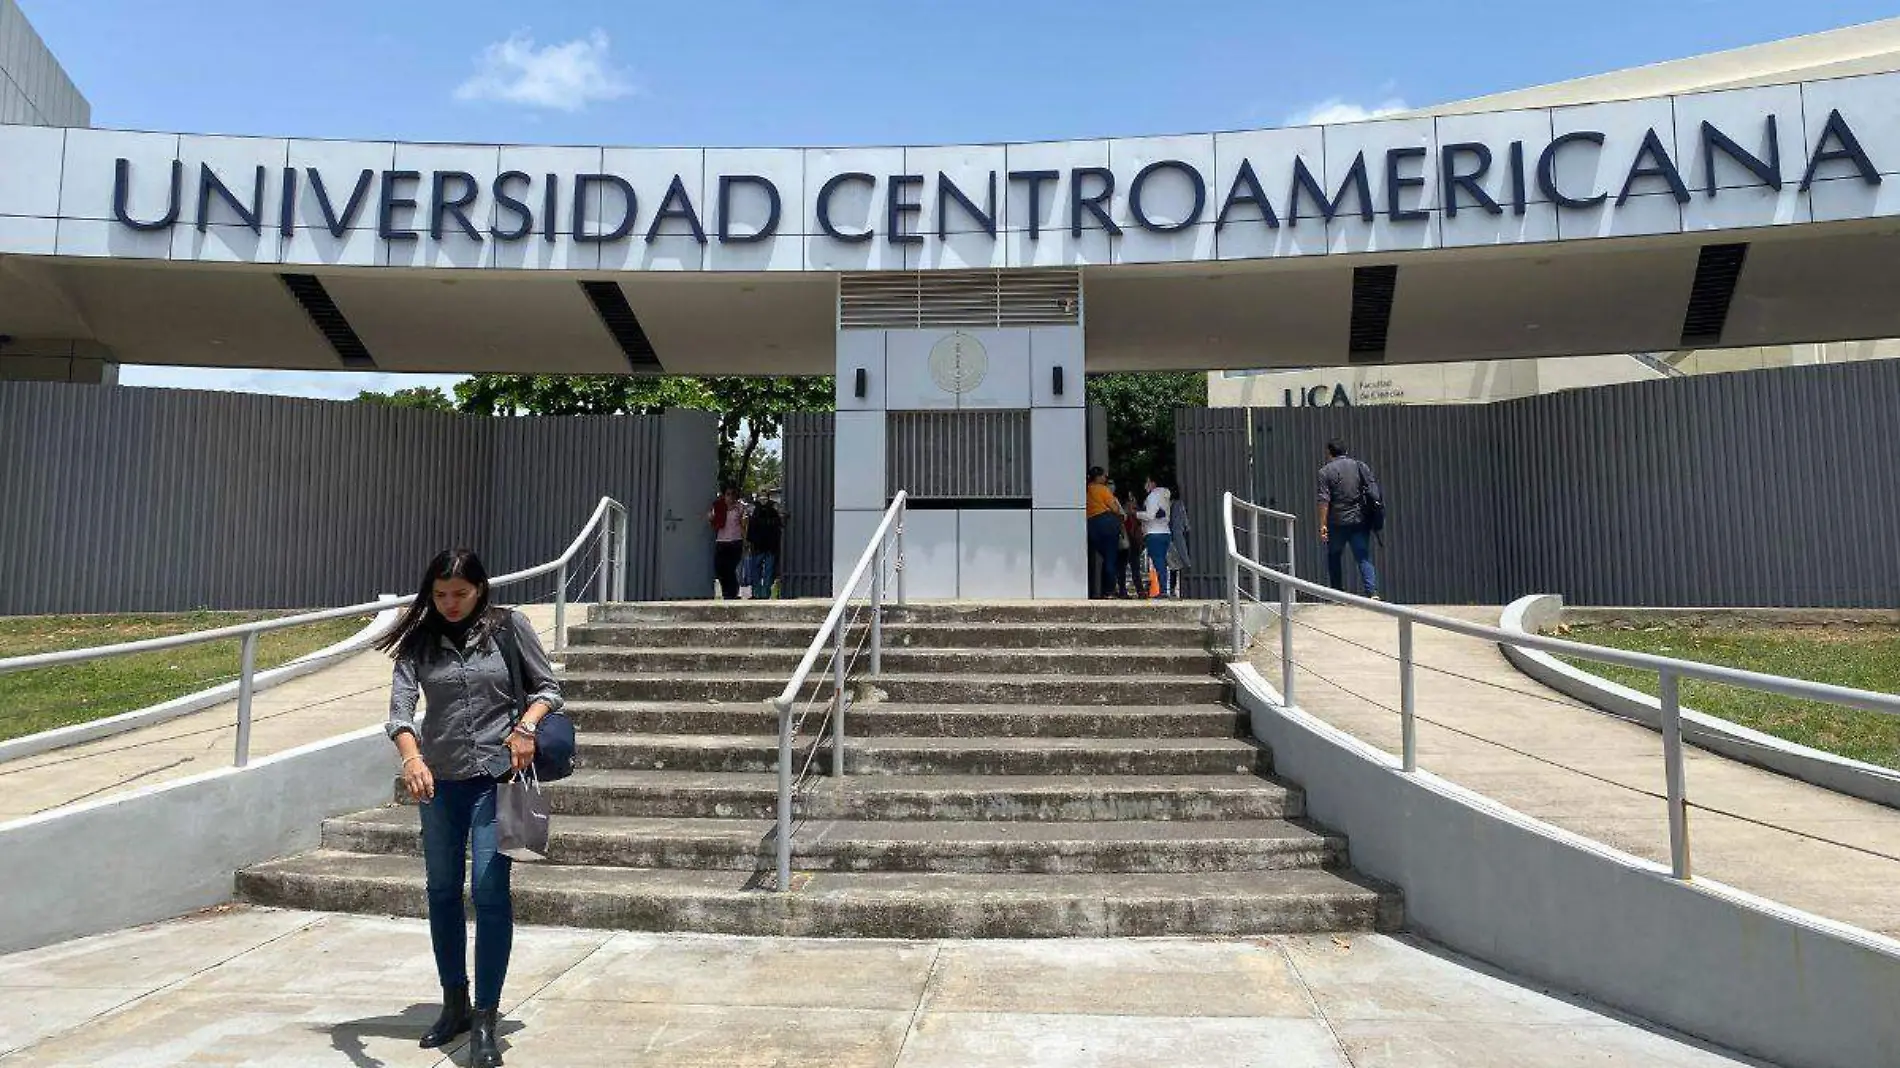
{"points": [[1104, 527]]}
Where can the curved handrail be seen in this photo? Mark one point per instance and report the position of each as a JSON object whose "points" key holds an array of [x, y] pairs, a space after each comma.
{"points": [[1670, 671], [612, 584], [1869, 700], [240, 630]]}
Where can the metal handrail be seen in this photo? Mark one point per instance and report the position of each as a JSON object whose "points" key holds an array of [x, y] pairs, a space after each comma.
{"points": [[612, 585], [1670, 672], [889, 530]]}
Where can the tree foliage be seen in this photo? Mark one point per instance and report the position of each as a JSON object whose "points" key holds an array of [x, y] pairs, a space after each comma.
{"points": [[751, 409], [426, 398], [1140, 408]]}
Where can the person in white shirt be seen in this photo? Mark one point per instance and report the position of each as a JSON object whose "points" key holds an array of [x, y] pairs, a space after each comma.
{"points": [[1155, 515]]}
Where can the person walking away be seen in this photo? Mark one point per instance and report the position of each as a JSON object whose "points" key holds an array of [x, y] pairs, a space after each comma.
{"points": [[1132, 550], [1347, 493], [1155, 514], [727, 519], [453, 649], [1179, 558], [763, 533], [1104, 535]]}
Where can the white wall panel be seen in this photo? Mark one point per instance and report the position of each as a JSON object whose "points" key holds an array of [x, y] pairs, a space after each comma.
{"points": [[89, 166], [29, 179], [1051, 347], [859, 469], [860, 349], [994, 554], [1060, 554], [1058, 451]]}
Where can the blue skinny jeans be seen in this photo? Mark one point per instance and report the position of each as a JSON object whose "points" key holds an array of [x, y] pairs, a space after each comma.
{"points": [[461, 815]]}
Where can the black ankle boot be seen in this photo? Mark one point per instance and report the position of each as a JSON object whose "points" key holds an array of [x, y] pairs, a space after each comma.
{"points": [[482, 1049], [453, 1021]]}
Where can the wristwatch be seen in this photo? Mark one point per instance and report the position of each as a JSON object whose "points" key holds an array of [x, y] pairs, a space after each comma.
{"points": [[524, 727]]}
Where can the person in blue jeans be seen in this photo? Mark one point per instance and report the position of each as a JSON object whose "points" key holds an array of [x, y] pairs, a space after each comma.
{"points": [[472, 738], [1345, 484], [1156, 515], [764, 534]]}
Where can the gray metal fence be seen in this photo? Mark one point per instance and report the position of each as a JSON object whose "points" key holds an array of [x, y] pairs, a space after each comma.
{"points": [[116, 500], [1762, 488], [1210, 459], [805, 558]]}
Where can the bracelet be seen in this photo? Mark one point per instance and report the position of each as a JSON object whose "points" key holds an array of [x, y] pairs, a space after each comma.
{"points": [[407, 759], [525, 731]]}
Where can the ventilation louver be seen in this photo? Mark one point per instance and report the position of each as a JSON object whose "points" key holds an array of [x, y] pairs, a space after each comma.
{"points": [[897, 300]]}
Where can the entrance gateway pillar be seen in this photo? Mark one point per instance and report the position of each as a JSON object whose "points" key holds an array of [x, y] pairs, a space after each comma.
{"points": [[965, 389]]}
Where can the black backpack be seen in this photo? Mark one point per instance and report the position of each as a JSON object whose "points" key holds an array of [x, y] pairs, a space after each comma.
{"points": [[1371, 500]]}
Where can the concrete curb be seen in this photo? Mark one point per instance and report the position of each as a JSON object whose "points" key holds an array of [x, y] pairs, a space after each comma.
{"points": [[174, 847], [1558, 908], [61, 737], [1531, 615]]}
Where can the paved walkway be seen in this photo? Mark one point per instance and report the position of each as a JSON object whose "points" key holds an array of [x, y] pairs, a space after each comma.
{"points": [[244, 986], [343, 697], [1501, 734]]}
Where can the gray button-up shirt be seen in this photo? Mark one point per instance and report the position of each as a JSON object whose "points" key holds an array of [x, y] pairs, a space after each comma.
{"points": [[470, 701]]}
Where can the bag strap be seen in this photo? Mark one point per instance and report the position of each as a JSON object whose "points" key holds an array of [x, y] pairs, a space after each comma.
{"points": [[509, 646], [1368, 485]]}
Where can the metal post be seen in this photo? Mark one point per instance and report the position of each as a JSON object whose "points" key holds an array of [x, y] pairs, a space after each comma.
{"points": [[837, 699], [1286, 644], [560, 608], [1289, 521], [1672, 764], [621, 554], [1238, 636], [1408, 725], [900, 555], [784, 796], [877, 615], [1254, 519], [606, 553], [247, 671]]}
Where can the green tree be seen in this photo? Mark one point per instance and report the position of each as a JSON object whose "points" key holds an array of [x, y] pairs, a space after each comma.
{"points": [[1140, 408], [751, 409], [426, 398]]}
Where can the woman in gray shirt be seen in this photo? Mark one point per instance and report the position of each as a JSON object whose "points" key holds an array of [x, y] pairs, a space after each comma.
{"points": [[453, 647]]}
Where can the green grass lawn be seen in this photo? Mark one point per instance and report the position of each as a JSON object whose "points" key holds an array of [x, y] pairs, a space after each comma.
{"points": [[33, 701], [1865, 657]]}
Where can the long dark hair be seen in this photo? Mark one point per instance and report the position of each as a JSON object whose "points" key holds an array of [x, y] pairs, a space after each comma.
{"points": [[421, 621]]}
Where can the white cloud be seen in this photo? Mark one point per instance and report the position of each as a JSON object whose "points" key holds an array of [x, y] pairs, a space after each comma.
{"points": [[328, 385], [567, 77], [1334, 109]]}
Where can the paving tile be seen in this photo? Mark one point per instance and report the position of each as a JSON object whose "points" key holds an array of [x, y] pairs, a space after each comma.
{"points": [[1117, 977], [261, 1030], [36, 1013], [388, 958], [1024, 1040], [1411, 1044], [701, 970], [153, 955], [1375, 977], [585, 1034]]}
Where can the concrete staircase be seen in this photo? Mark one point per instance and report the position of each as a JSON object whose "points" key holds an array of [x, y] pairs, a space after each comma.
{"points": [[1018, 771]]}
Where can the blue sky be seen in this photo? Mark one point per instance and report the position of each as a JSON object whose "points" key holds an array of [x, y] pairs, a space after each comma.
{"points": [[801, 72]]}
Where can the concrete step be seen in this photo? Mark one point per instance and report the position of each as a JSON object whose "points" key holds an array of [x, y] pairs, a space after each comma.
{"points": [[1019, 689], [841, 845], [871, 904], [797, 635], [1145, 661], [930, 756], [881, 720], [1210, 613], [728, 795]]}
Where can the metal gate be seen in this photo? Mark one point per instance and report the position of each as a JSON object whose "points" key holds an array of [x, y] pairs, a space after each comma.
{"points": [[1212, 458], [805, 558]]}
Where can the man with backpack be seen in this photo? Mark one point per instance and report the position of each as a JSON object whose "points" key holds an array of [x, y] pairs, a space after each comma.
{"points": [[1351, 510]]}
